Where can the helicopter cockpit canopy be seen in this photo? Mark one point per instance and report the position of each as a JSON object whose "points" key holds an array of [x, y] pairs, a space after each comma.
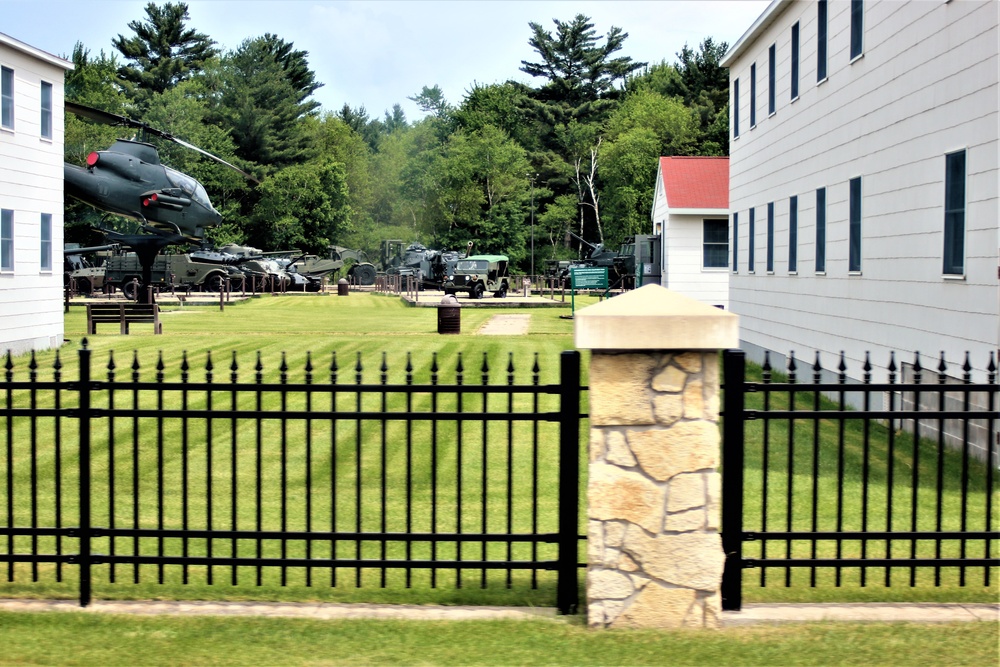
{"points": [[190, 187]]}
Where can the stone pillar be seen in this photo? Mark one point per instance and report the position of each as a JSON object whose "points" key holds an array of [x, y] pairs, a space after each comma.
{"points": [[655, 555]]}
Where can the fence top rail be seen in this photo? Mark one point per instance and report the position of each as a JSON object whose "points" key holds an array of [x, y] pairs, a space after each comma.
{"points": [[971, 387], [795, 367]]}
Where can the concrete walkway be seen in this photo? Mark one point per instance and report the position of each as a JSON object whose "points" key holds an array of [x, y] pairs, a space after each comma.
{"points": [[750, 615]]}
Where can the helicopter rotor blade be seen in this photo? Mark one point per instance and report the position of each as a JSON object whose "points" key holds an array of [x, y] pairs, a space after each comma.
{"points": [[208, 155], [98, 116], [108, 118]]}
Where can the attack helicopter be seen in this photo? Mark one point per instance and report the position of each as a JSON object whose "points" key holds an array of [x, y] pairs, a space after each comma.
{"points": [[128, 179]]}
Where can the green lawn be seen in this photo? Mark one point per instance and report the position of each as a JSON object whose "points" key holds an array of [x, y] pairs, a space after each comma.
{"points": [[295, 329], [55, 638]]}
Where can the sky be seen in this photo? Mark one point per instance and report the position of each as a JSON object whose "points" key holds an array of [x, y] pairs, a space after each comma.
{"points": [[376, 53]]}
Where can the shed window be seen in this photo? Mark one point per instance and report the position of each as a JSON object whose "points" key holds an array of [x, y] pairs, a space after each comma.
{"points": [[715, 243]]}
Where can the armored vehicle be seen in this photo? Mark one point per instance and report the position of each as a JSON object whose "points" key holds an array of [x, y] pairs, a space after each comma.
{"points": [[478, 274], [85, 275], [201, 269]]}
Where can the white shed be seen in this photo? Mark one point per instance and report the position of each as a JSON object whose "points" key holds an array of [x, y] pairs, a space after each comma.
{"points": [[691, 216]]}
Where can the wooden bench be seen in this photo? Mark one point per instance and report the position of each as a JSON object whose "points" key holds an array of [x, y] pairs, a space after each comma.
{"points": [[124, 314]]}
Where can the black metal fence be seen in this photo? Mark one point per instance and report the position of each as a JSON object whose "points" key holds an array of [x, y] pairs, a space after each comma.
{"points": [[847, 494], [318, 475]]}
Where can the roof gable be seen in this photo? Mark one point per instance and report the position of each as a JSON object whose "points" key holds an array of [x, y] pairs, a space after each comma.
{"points": [[695, 182]]}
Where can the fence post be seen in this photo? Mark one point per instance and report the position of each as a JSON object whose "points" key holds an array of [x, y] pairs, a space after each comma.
{"points": [[83, 423], [654, 552], [567, 588], [733, 369]]}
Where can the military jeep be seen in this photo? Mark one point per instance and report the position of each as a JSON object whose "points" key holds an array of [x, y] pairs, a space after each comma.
{"points": [[479, 274]]}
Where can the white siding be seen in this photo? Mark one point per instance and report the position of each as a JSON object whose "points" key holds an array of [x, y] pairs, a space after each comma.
{"points": [[31, 183], [926, 85]]}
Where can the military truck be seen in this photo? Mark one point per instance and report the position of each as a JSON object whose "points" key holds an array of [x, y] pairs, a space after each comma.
{"points": [[204, 269], [479, 274]]}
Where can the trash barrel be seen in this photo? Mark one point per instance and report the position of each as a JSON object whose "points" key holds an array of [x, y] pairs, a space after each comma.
{"points": [[449, 315], [342, 287]]}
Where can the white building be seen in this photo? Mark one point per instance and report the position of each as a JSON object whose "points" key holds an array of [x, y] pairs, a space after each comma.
{"points": [[691, 216], [31, 197], [863, 183]]}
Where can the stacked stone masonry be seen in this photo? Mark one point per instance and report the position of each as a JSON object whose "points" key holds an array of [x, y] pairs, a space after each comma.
{"points": [[654, 550]]}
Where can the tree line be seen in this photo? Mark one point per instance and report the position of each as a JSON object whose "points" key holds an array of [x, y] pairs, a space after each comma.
{"points": [[576, 151]]}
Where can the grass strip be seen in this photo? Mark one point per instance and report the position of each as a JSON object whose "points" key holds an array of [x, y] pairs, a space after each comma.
{"points": [[84, 639]]}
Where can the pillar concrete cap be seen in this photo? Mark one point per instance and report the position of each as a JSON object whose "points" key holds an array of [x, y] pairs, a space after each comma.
{"points": [[654, 318]]}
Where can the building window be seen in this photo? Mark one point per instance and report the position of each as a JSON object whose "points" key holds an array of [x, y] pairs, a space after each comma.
{"points": [[954, 214], [7, 98], [750, 246], [715, 236], [857, 28], [793, 234], [753, 95], [795, 61], [771, 76], [736, 108], [46, 110], [6, 240], [736, 242], [820, 230], [45, 245], [854, 250], [821, 40], [770, 237]]}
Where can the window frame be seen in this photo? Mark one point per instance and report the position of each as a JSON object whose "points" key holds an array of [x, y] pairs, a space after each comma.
{"points": [[822, 40], [793, 234], [6, 240], [772, 79], [820, 258], [705, 243], [854, 226], [45, 120], [794, 73], [45, 242], [770, 237], [751, 223], [6, 98], [857, 29], [736, 241], [954, 229], [753, 95], [736, 108]]}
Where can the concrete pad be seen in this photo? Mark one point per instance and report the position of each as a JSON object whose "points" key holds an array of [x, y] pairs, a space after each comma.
{"points": [[506, 325], [320, 611], [752, 614]]}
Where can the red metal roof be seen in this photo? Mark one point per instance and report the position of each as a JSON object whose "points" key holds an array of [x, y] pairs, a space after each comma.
{"points": [[696, 182]]}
